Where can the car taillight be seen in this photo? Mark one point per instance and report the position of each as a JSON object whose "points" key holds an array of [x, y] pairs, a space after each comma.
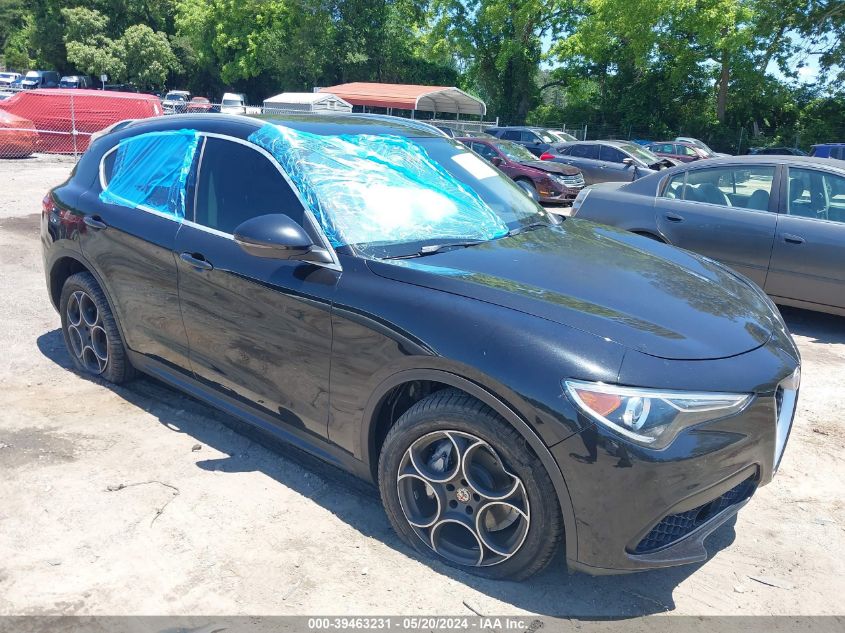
{"points": [[47, 206], [547, 156], [579, 199]]}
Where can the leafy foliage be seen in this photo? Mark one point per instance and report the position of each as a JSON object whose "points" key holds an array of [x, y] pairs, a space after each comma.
{"points": [[708, 68]]}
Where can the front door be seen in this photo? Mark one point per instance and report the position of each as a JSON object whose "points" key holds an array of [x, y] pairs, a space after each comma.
{"points": [[727, 213], [809, 250], [259, 329]]}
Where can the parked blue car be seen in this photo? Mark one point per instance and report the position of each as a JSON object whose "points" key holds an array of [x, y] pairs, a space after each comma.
{"points": [[829, 150]]}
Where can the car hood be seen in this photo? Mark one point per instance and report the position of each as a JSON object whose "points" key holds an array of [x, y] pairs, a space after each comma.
{"points": [[642, 294], [551, 167]]}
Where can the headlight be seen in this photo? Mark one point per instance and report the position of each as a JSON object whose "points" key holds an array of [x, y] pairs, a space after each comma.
{"points": [[651, 417]]}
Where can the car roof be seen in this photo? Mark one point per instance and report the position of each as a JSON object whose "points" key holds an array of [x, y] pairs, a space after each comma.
{"points": [[325, 124], [645, 185], [600, 142], [828, 144]]}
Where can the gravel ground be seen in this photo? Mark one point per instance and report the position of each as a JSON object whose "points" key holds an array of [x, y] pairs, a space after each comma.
{"points": [[139, 500]]}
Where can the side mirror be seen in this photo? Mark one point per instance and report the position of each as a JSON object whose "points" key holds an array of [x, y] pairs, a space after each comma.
{"points": [[628, 161], [277, 236], [497, 161]]}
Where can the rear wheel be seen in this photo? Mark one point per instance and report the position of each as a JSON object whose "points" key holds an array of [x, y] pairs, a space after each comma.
{"points": [[459, 483], [90, 330]]}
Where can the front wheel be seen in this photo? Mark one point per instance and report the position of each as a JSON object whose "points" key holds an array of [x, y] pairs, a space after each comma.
{"points": [[460, 484], [528, 187]]}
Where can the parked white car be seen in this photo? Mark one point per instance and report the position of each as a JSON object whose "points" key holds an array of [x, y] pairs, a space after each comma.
{"points": [[6, 79], [233, 103]]}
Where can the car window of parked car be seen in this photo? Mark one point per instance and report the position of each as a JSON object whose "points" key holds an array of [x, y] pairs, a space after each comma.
{"points": [[514, 152], [674, 186], [611, 154], [236, 183], [483, 150], [663, 148], [528, 137], [816, 194], [587, 150], [685, 150], [512, 135], [748, 187]]}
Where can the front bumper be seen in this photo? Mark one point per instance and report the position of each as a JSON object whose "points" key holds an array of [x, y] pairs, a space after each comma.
{"points": [[558, 195], [636, 508]]}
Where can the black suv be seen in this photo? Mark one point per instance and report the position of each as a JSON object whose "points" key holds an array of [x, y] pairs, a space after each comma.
{"points": [[374, 292], [535, 140]]}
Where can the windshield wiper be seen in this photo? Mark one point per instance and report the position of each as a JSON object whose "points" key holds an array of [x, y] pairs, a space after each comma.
{"points": [[527, 227], [431, 249]]}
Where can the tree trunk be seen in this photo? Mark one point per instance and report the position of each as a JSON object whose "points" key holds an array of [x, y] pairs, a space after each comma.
{"points": [[722, 95]]}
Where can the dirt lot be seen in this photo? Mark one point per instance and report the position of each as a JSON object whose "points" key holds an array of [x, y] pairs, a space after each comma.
{"points": [[109, 508]]}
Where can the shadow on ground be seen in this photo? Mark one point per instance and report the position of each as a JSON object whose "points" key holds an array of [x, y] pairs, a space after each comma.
{"points": [[555, 592]]}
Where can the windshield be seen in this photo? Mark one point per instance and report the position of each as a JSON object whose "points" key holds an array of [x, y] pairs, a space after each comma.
{"points": [[232, 102], [32, 74], [640, 153], [173, 97], [514, 152], [388, 196], [563, 136], [699, 144], [546, 136]]}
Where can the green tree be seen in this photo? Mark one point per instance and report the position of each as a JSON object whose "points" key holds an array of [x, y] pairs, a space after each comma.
{"points": [[88, 48], [146, 56]]}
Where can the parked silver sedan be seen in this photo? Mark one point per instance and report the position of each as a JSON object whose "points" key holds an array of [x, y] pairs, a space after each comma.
{"points": [[779, 220]]}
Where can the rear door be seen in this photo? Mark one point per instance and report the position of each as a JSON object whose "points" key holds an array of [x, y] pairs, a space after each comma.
{"points": [[259, 329], [129, 234], [727, 213], [808, 258], [585, 156]]}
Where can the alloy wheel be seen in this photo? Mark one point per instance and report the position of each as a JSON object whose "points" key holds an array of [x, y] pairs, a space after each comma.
{"points": [[461, 500], [86, 333]]}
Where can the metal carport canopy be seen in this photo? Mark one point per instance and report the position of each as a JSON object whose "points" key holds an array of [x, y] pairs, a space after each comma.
{"points": [[409, 97]]}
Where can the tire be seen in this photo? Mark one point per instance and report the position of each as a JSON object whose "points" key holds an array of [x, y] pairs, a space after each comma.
{"points": [[529, 188], [500, 519], [90, 331]]}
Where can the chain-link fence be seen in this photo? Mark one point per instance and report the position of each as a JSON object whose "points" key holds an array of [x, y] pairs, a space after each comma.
{"points": [[62, 121], [57, 121]]}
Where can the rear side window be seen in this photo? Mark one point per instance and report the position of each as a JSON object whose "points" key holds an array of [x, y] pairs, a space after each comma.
{"points": [[511, 135], [236, 183], [674, 189], [150, 171], [585, 151]]}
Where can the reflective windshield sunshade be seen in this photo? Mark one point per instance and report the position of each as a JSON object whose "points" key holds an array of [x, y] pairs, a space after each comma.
{"points": [[378, 188]]}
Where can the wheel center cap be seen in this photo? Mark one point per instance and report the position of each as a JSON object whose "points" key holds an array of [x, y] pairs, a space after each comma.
{"points": [[462, 495]]}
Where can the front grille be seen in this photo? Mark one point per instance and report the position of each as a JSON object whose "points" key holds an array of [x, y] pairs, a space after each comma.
{"points": [[674, 527], [572, 181]]}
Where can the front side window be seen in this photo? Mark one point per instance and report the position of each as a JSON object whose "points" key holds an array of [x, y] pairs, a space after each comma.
{"points": [[528, 137], [746, 187], [483, 150], [610, 154], [389, 195], [816, 194], [684, 150], [511, 135], [236, 183]]}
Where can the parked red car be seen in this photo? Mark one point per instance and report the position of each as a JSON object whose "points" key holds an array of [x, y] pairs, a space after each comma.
{"points": [[199, 104], [546, 181], [679, 150], [65, 119], [18, 138]]}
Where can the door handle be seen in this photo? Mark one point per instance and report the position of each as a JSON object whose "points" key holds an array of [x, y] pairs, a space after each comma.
{"points": [[94, 222], [196, 260], [674, 217], [792, 239]]}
